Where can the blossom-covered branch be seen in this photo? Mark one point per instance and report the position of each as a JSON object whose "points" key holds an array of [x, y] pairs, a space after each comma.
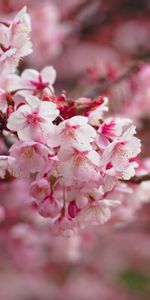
{"points": [[72, 155]]}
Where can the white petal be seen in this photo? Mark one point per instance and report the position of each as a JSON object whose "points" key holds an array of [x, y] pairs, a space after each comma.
{"points": [[33, 101], [94, 157], [30, 74], [48, 74], [48, 110], [16, 121]]}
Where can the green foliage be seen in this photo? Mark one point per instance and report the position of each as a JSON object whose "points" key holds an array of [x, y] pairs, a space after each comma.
{"points": [[134, 280]]}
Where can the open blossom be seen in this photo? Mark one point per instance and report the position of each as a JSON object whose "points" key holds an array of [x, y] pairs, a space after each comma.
{"points": [[15, 41], [33, 120], [8, 84], [96, 213], [32, 158], [75, 130], [47, 202], [7, 164], [71, 156], [119, 154], [111, 129], [21, 22], [37, 81], [78, 164]]}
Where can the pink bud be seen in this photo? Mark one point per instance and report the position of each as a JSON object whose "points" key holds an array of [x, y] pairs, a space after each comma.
{"points": [[73, 209]]}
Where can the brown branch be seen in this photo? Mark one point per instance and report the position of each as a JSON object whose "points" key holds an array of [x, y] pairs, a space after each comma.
{"points": [[138, 179]]}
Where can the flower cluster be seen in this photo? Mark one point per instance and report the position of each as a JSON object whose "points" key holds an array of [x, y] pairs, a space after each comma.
{"points": [[73, 156]]}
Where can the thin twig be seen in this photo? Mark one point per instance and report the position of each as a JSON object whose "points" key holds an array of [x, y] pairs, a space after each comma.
{"points": [[138, 179]]}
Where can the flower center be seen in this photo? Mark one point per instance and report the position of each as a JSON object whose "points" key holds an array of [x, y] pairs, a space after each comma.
{"points": [[28, 152], [39, 85], [33, 119]]}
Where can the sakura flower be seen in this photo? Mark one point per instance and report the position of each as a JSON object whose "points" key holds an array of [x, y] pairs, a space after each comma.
{"points": [[111, 129], [38, 81], [8, 84], [96, 213], [32, 158], [49, 207], [75, 130], [21, 22], [78, 164], [6, 165], [15, 42], [64, 226], [33, 120], [119, 154], [40, 189]]}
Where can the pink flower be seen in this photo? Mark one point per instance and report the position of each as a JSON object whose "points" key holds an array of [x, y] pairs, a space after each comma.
{"points": [[111, 129], [49, 207], [64, 226], [75, 130], [33, 120], [32, 159], [8, 84], [96, 213], [78, 164], [7, 164], [38, 81], [21, 22], [120, 153], [15, 41], [40, 189]]}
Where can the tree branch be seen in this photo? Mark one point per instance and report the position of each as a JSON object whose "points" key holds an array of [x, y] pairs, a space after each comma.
{"points": [[138, 179]]}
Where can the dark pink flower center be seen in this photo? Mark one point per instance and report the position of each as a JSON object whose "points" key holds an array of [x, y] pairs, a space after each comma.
{"points": [[33, 119], [39, 85]]}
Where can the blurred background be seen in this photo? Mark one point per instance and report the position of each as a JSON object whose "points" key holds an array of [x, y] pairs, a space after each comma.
{"points": [[98, 47]]}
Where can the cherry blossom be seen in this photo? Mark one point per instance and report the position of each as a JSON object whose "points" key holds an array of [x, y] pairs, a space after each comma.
{"points": [[76, 130], [33, 120], [70, 151], [79, 164], [15, 41], [37, 81], [120, 153], [31, 157], [7, 164], [74, 189], [40, 189]]}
